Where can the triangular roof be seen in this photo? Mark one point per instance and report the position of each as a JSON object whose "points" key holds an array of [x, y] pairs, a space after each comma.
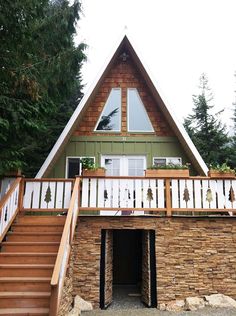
{"points": [[178, 128]]}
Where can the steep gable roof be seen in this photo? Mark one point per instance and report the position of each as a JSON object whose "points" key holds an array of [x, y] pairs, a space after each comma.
{"points": [[179, 130]]}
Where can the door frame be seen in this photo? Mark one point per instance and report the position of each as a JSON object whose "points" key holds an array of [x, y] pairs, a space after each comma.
{"points": [[103, 269], [153, 272]]}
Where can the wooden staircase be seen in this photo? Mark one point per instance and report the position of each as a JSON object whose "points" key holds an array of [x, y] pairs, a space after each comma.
{"points": [[27, 259]]}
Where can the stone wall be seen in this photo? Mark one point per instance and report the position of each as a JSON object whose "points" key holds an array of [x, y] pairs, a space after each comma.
{"points": [[67, 292], [194, 256]]}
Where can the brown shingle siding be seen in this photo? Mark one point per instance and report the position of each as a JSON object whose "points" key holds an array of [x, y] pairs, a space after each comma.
{"points": [[123, 75]]}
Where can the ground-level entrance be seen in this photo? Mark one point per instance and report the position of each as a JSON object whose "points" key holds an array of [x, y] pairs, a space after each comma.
{"points": [[128, 267]]}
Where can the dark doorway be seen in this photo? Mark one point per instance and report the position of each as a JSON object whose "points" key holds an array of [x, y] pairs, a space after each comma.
{"points": [[127, 257], [128, 269]]}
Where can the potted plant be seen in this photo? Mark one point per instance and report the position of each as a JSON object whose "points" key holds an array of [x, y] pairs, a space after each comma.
{"points": [[221, 171], [90, 170], [167, 171]]}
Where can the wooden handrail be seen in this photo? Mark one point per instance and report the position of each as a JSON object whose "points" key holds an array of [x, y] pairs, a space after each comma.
{"points": [[66, 240], [50, 179], [158, 177]]}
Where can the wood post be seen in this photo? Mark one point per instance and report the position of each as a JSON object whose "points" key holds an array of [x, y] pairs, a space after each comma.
{"points": [[21, 194], [54, 301], [168, 198]]}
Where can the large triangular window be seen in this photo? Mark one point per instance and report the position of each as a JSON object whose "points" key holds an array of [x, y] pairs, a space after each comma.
{"points": [[110, 119], [138, 120]]}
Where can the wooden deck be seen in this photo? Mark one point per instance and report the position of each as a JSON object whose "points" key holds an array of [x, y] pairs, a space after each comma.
{"points": [[39, 246]]}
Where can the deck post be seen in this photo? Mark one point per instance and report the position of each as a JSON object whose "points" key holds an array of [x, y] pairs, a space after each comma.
{"points": [[21, 194], [168, 198]]}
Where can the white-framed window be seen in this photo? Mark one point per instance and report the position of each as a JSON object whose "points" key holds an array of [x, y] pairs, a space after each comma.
{"points": [[110, 118], [74, 166], [137, 117], [160, 161]]}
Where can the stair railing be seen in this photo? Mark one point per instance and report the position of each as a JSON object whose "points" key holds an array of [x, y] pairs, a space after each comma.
{"points": [[60, 268], [10, 205]]}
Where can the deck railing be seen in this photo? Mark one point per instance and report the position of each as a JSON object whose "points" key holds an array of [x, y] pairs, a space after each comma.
{"points": [[47, 194], [123, 195], [5, 184], [9, 206], [62, 259]]}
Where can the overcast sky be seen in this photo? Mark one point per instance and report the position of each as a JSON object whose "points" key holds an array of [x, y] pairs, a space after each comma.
{"points": [[178, 40]]}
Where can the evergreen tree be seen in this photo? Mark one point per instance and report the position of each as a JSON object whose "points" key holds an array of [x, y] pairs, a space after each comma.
{"points": [[205, 130], [40, 82]]}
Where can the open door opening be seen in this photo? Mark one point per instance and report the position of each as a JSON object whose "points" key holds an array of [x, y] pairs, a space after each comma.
{"points": [[127, 257], [128, 269]]}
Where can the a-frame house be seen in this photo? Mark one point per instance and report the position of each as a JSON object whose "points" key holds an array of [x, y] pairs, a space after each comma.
{"points": [[126, 231]]}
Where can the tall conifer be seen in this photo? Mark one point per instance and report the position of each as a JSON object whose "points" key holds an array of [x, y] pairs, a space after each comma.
{"points": [[206, 131], [40, 80]]}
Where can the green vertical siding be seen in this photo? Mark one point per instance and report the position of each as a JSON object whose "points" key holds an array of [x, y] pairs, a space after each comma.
{"points": [[150, 146]]}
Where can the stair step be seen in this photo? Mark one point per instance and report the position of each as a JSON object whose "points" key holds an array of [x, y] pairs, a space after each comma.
{"points": [[26, 270], [30, 246], [24, 311], [27, 258], [37, 228], [45, 211], [24, 299], [41, 220], [29, 236], [23, 284]]}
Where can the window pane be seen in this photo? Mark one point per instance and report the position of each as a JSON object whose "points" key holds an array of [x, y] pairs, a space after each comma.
{"points": [[174, 161], [131, 163], [138, 119], [135, 167], [132, 172], [139, 163], [111, 114], [112, 166], [159, 161]]}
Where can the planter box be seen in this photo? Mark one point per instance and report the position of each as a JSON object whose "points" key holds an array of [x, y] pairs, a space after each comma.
{"points": [[94, 173], [167, 173], [217, 174]]}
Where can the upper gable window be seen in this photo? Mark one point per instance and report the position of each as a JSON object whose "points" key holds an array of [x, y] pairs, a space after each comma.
{"points": [[138, 120], [110, 119]]}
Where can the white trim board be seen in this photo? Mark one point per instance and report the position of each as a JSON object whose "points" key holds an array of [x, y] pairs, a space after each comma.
{"points": [[179, 130]]}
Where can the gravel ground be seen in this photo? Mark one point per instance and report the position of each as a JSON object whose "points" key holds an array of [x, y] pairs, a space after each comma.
{"points": [[154, 312], [125, 305]]}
